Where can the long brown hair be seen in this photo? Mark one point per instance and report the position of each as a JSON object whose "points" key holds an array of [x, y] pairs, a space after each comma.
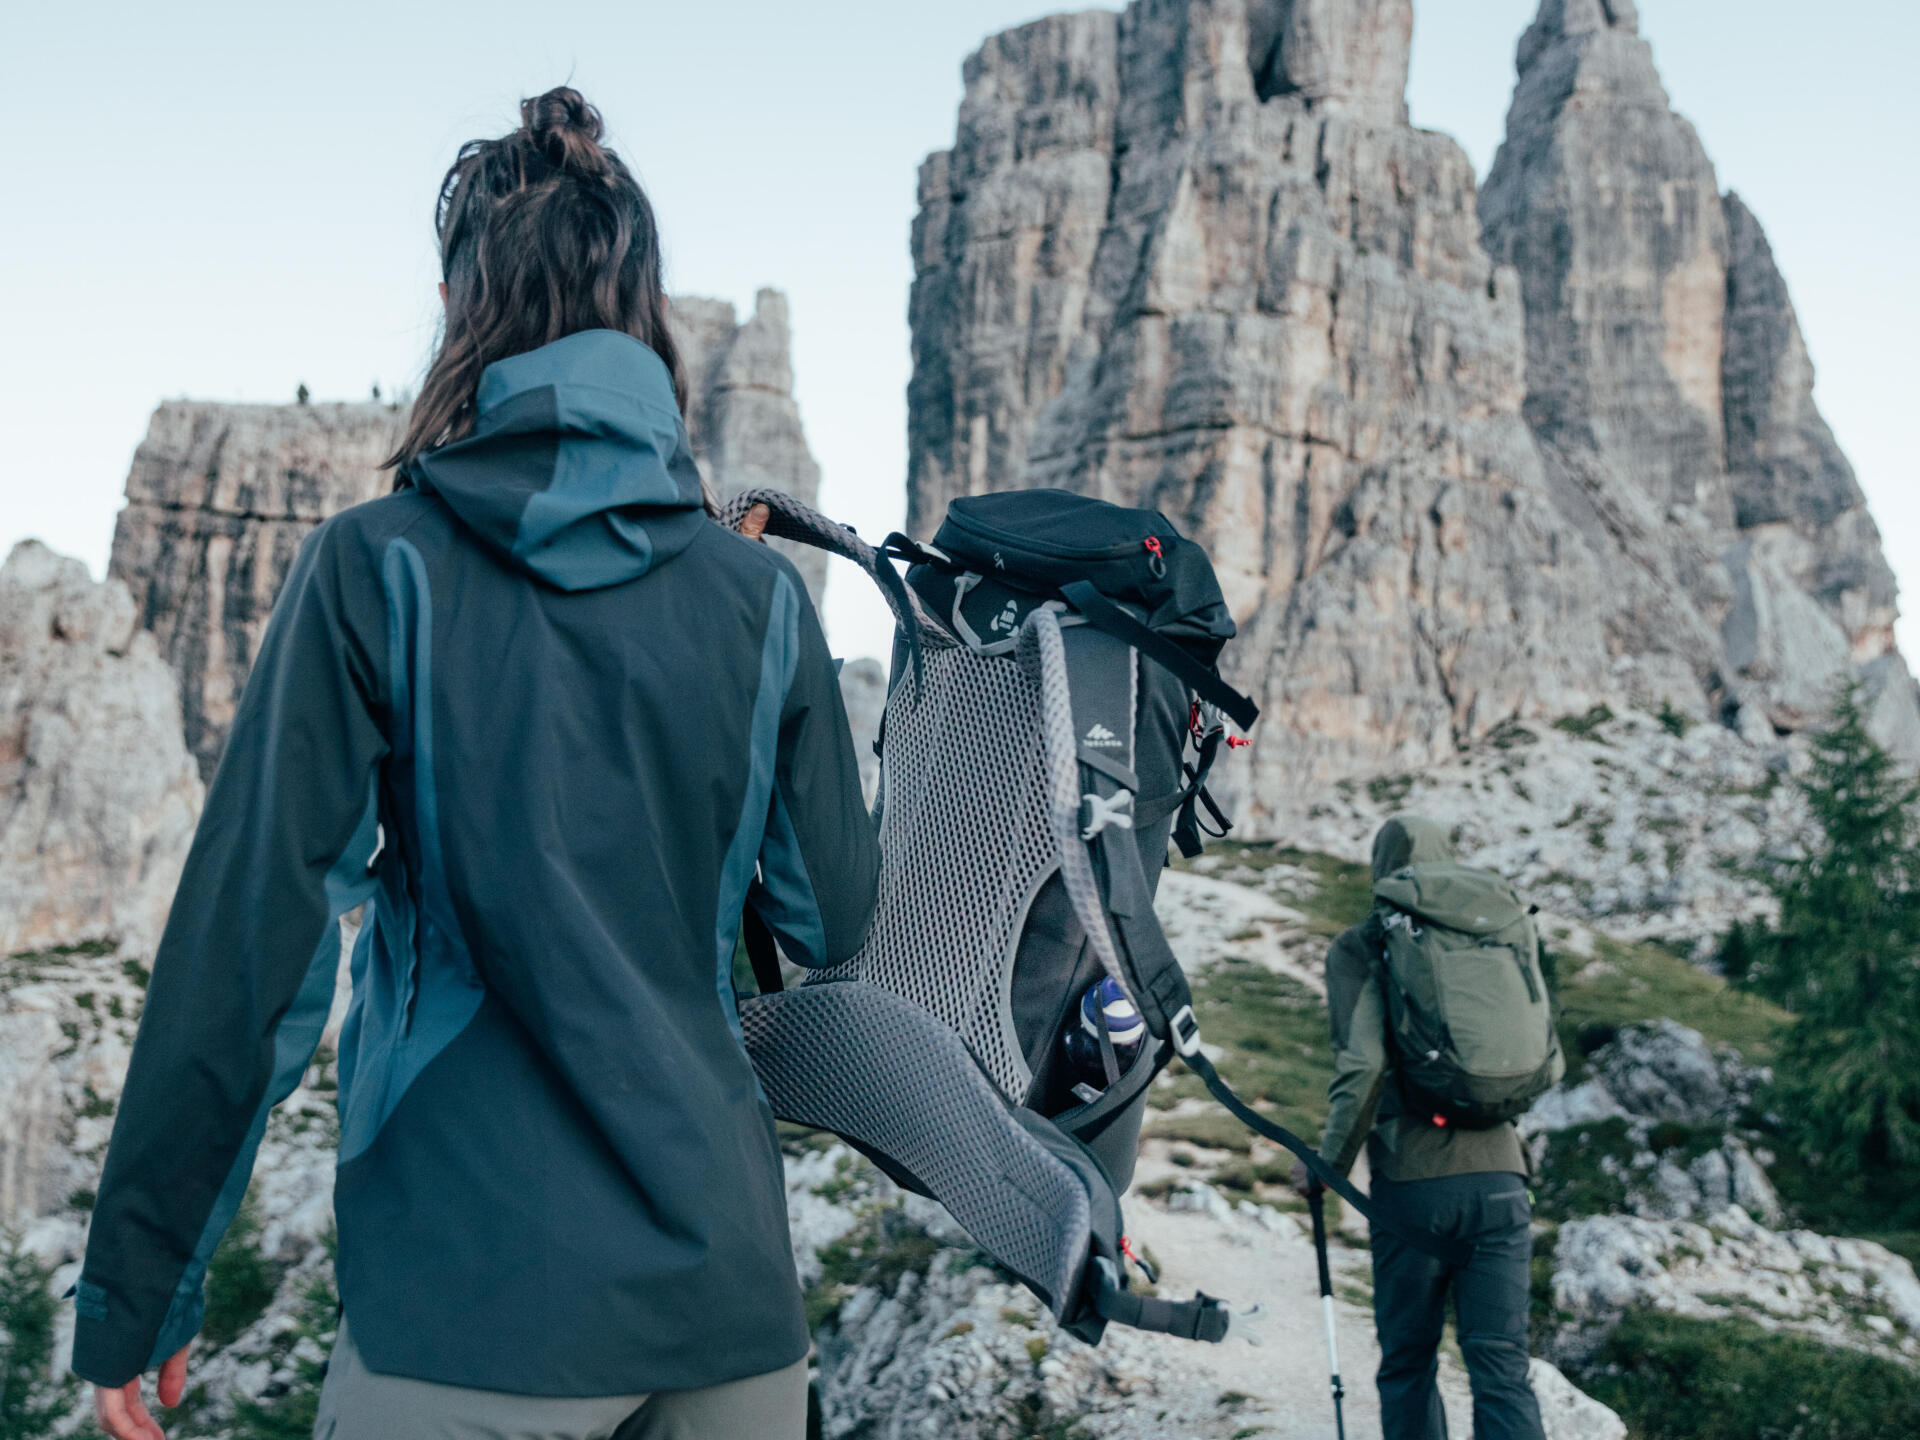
{"points": [[543, 232]]}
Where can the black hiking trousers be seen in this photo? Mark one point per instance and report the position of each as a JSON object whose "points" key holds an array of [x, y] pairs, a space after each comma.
{"points": [[1490, 1306]]}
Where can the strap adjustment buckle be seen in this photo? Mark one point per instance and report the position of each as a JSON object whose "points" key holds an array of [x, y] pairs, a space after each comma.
{"points": [[1184, 1030], [1097, 812]]}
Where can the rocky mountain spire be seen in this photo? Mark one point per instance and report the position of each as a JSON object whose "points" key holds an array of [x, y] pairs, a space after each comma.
{"points": [[1344, 56], [1670, 389], [1193, 256], [220, 496]]}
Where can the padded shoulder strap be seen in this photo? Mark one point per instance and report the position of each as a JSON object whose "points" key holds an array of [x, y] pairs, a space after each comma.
{"points": [[791, 519]]}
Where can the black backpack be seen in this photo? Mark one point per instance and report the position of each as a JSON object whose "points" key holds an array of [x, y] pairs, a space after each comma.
{"points": [[1052, 715]]}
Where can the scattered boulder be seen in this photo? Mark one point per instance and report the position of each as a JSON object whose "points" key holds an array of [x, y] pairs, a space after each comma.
{"points": [[1566, 1411], [1663, 1070], [1656, 1116], [1844, 1292]]}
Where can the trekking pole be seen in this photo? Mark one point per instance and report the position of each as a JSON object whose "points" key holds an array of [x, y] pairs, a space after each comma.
{"points": [[1317, 1204]]}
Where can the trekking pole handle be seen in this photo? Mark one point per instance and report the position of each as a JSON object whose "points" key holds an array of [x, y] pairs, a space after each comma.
{"points": [[1317, 1205]]}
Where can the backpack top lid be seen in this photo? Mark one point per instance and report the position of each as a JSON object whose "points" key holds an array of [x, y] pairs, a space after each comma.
{"points": [[1040, 540], [1456, 896]]}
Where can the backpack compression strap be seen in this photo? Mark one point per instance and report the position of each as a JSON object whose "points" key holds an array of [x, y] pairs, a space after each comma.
{"points": [[1208, 736], [1202, 680], [1133, 948], [1201, 1318]]}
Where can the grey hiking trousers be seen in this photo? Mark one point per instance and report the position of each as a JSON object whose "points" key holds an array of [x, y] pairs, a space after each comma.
{"points": [[1490, 1305], [356, 1404]]}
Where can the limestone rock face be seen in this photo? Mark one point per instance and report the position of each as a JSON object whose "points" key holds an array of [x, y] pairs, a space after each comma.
{"points": [[1344, 55], [1671, 391], [218, 501], [741, 414], [1192, 256], [98, 797], [1272, 319], [220, 496]]}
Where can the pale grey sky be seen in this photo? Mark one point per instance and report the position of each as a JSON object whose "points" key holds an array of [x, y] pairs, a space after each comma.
{"points": [[227, 200]]}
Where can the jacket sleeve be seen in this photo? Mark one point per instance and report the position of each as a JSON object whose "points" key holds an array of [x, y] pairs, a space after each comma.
{"points": [[820, 859], [244, 975], [1357, 1013]]}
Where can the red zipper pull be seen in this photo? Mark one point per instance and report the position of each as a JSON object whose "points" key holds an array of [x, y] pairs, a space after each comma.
{"points": [[1234, 742], [1159, 565], [1126, 1249]]}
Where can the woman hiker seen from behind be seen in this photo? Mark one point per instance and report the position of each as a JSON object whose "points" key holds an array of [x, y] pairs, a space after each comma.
{"points": [[555, 727]]}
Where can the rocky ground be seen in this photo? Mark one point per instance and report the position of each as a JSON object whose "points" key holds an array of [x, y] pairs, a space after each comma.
{"points": [[1650, 824]]}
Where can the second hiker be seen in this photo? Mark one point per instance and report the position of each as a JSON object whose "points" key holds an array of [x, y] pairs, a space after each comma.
{"points": [[1442, 1033]]}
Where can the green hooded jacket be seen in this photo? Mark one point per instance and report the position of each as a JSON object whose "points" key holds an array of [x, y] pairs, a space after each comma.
{"points": [[1363, 1102]]}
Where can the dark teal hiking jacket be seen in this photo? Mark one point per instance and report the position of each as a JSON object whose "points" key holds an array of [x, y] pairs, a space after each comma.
{"points": [[553, 727]]}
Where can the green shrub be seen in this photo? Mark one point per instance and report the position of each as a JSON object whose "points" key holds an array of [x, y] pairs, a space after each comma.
{"points": [[1587, 726], [884, 1246], [1679, 1379], [291, 1415], [32, 1402], [1574, 1179]]}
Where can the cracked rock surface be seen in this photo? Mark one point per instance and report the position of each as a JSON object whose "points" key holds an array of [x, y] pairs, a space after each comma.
{"points": [[1460, 455], [220, 495]]}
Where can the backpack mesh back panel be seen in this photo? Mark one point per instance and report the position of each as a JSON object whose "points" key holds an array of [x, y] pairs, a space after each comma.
{"points": [[911, 1050], [908, 1049], [859, 1061], [966, 842]]}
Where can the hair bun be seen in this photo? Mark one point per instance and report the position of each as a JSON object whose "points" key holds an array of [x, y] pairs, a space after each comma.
{"points": [[565, 129]]}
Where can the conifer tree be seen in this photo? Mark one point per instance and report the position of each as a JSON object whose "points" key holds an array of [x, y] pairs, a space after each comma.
{"points": [[1844, 956], [32, 1401]]}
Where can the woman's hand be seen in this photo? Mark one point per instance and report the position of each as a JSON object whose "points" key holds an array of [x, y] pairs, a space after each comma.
{"points": [[754, 527], [122, 1414]]}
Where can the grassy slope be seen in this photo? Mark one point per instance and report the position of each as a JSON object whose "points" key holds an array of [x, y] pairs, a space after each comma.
{"points": [[1275, 1031]]}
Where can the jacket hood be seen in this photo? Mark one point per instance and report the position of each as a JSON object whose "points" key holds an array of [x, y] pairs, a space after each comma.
{"points": [[578, 470], [1408, 840]]}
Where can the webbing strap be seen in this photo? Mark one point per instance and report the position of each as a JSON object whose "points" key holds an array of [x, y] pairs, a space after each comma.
{"points": [[1447, 1252], [1201, 1318], [761, 953], [1186, 830], [1103, 614]]}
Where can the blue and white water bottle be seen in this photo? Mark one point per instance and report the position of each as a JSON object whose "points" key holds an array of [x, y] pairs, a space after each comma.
{"points": [[1104, 1000]]}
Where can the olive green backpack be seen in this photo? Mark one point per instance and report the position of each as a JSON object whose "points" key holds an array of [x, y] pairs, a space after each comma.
{"points": [[1468, 1008]]}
